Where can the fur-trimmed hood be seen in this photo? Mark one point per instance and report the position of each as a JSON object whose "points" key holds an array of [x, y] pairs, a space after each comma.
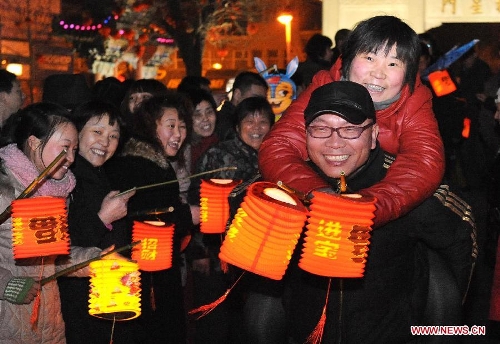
{"points": [[135, 147]]}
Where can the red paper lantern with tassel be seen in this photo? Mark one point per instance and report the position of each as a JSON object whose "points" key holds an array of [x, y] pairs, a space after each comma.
{"points": [[337, 235], [441, 83], [115, 289], [214, 206], [39, 227], [155, 250], [265, 231]]}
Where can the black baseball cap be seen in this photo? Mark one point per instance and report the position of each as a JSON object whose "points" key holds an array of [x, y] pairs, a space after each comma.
{"points": [[347, 99]]}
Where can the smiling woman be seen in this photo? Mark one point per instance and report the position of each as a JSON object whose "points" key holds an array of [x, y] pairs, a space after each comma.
{"points": [[158, 133], [39, 133], [93, 216], [382, 54]]}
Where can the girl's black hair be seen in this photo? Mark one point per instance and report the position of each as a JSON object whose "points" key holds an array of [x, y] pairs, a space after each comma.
{"points": [[383, 32], [40, 120]]}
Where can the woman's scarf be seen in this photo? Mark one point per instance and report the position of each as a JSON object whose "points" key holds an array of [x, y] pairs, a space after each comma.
{"points": [[25, 172]]}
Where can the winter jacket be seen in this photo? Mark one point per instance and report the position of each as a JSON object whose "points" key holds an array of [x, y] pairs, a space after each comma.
{"points": [[230, 153], [199, 146], [15, 326], [87, 230], [408, 129], [163, 316], [391, 296]]}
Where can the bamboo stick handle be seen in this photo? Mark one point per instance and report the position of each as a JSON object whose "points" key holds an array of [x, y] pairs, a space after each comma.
{"points": [[85, 263]]}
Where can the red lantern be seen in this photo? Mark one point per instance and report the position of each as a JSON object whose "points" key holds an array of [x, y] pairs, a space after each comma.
{"points": [[466, 128], [214, 206], [39, 227], [222, 52], [252, 29], [337, 235], [441, 83], [115, 289], [155, 250], [265, 231]]}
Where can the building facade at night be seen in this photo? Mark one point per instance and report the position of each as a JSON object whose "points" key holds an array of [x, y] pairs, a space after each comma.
{"points": [[25, 34]]}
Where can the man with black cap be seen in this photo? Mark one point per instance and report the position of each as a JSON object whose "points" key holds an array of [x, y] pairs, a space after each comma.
{"points": [[404, 255]]}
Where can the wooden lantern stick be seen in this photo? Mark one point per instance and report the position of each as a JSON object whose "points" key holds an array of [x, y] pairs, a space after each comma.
{"points": [[85, 263], [177, 180], [302, 196], [27, 192]]}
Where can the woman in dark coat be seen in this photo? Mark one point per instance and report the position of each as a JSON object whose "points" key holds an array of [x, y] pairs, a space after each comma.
{"points": [[158, 131], [93, 218]]}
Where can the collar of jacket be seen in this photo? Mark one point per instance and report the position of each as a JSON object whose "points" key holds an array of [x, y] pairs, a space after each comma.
{"points": [[142, 149], [367, 175]]}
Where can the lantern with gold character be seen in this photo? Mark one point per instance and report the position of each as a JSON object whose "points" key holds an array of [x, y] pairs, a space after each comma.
{"points": [[155, 250], [214, 206], [39, 227], [337, 235]]}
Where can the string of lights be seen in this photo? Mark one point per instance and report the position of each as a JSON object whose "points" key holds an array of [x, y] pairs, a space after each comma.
{"points": [[72, 26]]}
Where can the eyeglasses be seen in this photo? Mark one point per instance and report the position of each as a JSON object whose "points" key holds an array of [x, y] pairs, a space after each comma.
{"points": [[348, 133]]}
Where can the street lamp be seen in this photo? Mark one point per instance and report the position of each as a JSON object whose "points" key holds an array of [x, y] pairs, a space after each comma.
{"points": [[286, 19], [15, 68]]}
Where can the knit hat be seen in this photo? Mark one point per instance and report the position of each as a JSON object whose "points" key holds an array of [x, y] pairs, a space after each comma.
{"points": [[347, 99]]}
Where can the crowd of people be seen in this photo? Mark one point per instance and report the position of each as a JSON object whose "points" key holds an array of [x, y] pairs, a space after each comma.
{"points": [[364, 122]]}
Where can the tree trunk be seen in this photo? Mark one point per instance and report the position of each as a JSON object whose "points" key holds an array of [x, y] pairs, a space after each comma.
{"points": [[190, 49]]}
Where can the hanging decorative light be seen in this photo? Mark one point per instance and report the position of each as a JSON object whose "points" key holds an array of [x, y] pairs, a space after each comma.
{"points": [[265, 231], [39, 227], [155, 250], [337, 235], [115, 289], [214, 206]]}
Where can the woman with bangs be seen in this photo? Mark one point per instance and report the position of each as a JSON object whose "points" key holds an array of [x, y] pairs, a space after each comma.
{"points": [[94, 214], [158, 133], [382, 54]]}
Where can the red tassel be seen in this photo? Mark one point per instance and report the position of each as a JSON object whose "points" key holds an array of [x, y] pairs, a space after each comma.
{"points": [[36, 307], [205, 309], [36, 302], [152, 299], [224, 266], [317, 334]]}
